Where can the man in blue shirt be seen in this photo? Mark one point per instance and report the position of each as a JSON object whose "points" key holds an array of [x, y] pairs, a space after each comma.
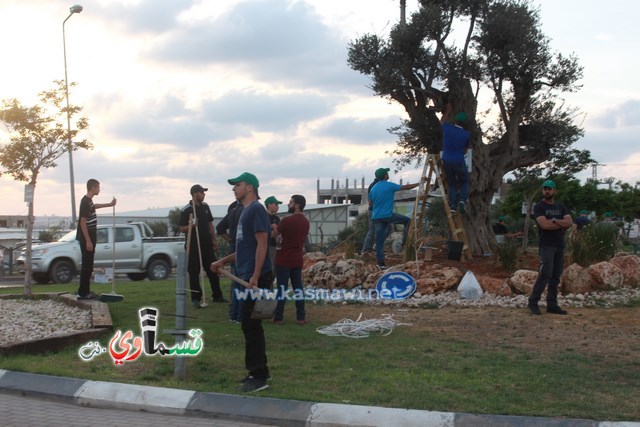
{"points": [[253, 266], [382, 197], [455, 143]]}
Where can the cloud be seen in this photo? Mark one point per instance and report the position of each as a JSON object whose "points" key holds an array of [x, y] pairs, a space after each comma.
{"points": [[626, 114], [270, 40], [360, 131], [264, 112], [154, 16]]}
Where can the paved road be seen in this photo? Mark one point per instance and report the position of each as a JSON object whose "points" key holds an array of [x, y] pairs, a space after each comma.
{"points": [[19, 411]]}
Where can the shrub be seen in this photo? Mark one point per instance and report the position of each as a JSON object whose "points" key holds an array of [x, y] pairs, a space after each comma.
{"points": [[593, 244], [508, 254]]}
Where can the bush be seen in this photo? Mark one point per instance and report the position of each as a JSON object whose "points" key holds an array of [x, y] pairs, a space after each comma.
{"points": [[508, 254], [594, 243], [159, 228]]}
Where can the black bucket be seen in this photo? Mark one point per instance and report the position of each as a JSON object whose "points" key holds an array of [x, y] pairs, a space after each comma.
{"points": [[454, 250]]}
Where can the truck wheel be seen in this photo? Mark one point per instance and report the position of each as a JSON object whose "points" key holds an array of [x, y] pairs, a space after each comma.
{"points": [[136, 277], [41, 278], [61, 272], [158, 270]]}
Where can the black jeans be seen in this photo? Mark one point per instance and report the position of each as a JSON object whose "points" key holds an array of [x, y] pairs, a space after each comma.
{"points": [[208, 256], [86, 270], [255, 348], [551, 264]]}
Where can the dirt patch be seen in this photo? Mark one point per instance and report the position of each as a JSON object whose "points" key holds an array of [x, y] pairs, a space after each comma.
{"points": [[606, 333]]}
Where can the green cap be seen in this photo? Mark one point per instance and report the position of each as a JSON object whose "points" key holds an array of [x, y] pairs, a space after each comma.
{"points": [[272, 199], [584, 212], [608, 214], [501, 218], [380, 173], [461, 117], [549, 183], [247, 177]]}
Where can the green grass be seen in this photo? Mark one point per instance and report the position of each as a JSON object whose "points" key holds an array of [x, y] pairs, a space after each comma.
{"points": [[411, 368]]}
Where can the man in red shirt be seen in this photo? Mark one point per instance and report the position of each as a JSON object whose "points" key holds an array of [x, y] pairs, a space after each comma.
{"points": [[293, 230]]}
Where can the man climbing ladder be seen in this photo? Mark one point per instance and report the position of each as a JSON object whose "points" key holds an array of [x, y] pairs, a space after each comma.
{"points": [[455, 143]]}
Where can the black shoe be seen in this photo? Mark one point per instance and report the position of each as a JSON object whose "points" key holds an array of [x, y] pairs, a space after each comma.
{"points": [[88, 297], [535, 310], [219, 300], [252, 385], [461, 207], [248, 377], [556, 310]]}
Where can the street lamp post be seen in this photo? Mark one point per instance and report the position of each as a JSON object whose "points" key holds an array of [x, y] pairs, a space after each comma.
{"points": [[76, 8]]}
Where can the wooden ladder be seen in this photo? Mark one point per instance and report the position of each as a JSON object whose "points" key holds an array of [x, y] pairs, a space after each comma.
{"points": [[433, 172]]}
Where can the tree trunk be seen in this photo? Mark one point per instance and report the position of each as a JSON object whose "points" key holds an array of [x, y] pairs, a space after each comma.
{"points": [[27, 270]]}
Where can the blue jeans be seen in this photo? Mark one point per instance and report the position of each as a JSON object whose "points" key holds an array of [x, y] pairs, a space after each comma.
{"points": [[551, 263], [283, 275], [371, 235], [381, 224], [458, 180]]}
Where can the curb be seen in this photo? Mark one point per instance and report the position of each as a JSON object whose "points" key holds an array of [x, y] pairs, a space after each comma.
{"points": [[253, 409]]}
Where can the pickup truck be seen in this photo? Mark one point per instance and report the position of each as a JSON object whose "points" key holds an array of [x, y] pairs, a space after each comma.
{"points": [[137, 253]]}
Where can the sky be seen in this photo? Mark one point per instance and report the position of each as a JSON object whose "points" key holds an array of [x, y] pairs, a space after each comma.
{"points": [[179, 92]]}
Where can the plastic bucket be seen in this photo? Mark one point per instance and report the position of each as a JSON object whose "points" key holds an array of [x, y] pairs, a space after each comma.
{"points": [[454, 250]]}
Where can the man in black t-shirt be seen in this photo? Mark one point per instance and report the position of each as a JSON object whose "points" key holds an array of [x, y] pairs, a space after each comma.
{"points": [[86, 235], [208, 245], [553, 219]]}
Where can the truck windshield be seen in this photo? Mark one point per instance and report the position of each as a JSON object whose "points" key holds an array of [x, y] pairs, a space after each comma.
{"points": [[70, 236]]}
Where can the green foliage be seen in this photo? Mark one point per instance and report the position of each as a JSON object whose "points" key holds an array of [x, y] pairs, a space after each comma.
{"points": [[51, 234], [39, 134], [594, 243], [508, 254], [159, 228], [174, 220]]}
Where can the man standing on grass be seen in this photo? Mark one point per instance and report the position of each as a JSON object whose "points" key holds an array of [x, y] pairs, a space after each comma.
{"points": [[553, 219], [294, 230], [253, 266], [87, 234]]}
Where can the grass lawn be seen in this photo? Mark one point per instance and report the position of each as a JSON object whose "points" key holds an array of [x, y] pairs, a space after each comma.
{"points": [[415, 367]]}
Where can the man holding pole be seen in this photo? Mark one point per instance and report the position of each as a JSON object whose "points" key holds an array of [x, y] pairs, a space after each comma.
{"points": [[253, 266], [202, 245]]}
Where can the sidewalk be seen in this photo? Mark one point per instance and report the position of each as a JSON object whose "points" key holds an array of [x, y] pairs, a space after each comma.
{"points": [[253, 409]]}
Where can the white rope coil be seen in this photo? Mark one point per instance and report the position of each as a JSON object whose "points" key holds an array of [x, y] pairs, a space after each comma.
{"points": [[361, 329]]}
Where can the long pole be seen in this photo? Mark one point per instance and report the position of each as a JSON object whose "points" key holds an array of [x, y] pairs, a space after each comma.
{"points": [[69, 146]]}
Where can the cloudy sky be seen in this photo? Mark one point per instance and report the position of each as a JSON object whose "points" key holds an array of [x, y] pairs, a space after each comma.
{"points": [[179, 92]]}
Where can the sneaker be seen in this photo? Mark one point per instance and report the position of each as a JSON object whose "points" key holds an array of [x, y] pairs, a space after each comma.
{"points": [[556, 310], [234, 321], [88, 297], [381, 266], [252, 385], [248, 377], [534, 309], [461, 207], [453, 210], [301, 322]]}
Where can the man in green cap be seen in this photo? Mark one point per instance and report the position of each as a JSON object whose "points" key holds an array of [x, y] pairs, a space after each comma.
{"points": [[583, 220], [382, 196], [553, 219], [272, 204], [253, 265], [456, 141]]}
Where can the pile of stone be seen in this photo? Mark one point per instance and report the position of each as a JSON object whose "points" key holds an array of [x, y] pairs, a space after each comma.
{"points": [[577, 283]]}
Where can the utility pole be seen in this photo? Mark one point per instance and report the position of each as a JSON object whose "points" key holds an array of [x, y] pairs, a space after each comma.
{"points": [[403, 12]]}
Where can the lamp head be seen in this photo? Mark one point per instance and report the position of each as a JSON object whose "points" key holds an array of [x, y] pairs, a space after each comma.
{"points": [[76, 8]]}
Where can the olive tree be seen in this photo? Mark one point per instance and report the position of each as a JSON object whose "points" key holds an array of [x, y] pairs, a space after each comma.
{"points": [[423, 66]]}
